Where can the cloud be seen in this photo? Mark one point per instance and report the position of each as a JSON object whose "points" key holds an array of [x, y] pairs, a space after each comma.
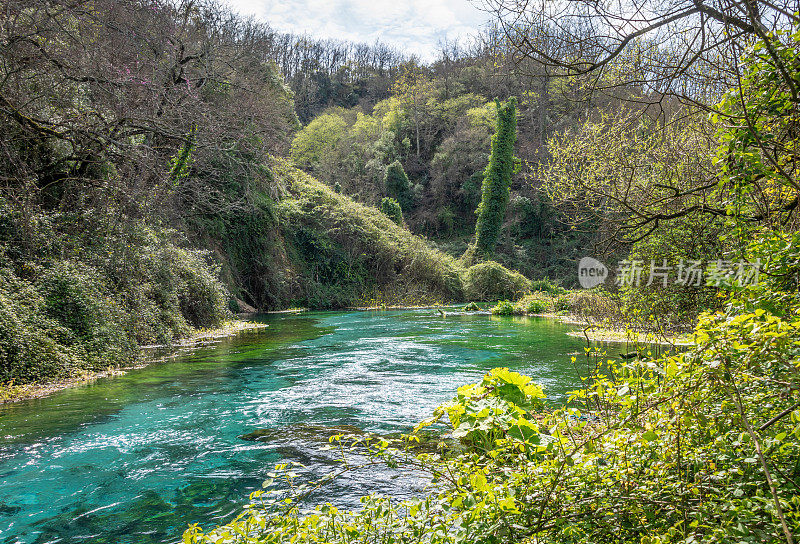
{"points": [[414, 26]]}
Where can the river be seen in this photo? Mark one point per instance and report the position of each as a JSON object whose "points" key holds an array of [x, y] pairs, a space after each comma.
{"points": [[136, 458]]}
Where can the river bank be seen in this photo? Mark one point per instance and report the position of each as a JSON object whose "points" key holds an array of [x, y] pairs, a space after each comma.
{"points": [[11, 392], [599, 334]]}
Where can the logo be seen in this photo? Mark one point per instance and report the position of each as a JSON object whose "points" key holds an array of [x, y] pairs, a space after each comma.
{"points": [[591, 272]]}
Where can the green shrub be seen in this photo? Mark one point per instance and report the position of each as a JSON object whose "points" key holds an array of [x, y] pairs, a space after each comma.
{"points": [[503, 307], [60, 317], [547, 286], [491, 410], [535, 306], [595, 305], [391, 208], [34, 347], [201, 297], [472, 307], [76, 296], [562, 304], [492, 281], [535, 303], [397, 184]]}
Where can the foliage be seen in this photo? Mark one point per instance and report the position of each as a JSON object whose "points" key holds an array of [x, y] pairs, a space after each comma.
{"points": [[392, 209], [503, 307], [397, 185], [472, 307], [546, 285], [702, 445], [758, 144], [562, 304], [318, 138], [500, 406], [182, 161], [675, 306], [343, 248], [61, 317], [76, 300], [492, 281], [595, 306], [532, 304], [495, 192], [628, 174]]}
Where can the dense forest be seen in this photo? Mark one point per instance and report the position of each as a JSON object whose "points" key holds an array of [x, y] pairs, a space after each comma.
{"points": [[166, 165]]}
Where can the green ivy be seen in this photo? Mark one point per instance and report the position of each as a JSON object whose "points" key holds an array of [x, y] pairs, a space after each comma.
{"points": [[497, 180]]}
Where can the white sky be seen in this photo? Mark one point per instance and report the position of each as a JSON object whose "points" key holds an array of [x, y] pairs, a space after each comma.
{"points": [[413, 26]]}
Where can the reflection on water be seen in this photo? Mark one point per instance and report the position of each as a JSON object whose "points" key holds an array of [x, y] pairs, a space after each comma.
{"points": [[136, 458]]}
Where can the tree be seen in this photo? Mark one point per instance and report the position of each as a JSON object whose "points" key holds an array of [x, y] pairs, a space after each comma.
{"points": [[623, 174], [391, 208], [397, 184], [678, 59], [497, 182], [759, 151], [318, 138], [411, 86]]}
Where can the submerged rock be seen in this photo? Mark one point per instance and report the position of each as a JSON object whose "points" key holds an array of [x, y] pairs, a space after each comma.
{"points": [[303, 431], [428, 440]]}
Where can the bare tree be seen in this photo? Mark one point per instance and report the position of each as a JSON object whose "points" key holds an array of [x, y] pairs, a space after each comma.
{"points": [[672, 61]]}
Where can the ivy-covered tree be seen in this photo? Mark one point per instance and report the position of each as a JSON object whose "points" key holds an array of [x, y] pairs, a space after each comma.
{"points": [[497, 181], [391, 208], [397, 185]]}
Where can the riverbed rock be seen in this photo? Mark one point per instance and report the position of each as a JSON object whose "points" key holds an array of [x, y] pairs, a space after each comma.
{"points": [[306, 432], [303, 431]]}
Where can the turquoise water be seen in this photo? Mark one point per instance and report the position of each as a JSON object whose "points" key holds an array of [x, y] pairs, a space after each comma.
{"points": [[136, 458]]}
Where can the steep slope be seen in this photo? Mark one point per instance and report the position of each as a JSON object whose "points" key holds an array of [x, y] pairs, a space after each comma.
{"points": [[310, 246]]}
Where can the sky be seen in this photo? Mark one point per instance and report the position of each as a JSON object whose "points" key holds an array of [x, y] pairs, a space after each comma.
{"points": [[413, 26]]}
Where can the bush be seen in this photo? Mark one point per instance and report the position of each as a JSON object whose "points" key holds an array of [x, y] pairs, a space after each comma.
{"points": [[391, 208], [61, 317], [76, 296], [547, 286], [531, 304], [503, 307], [492, 281], [594, 305], [34, 347], [397, 184], [562, 304], [201, 297], [472, 307]]}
